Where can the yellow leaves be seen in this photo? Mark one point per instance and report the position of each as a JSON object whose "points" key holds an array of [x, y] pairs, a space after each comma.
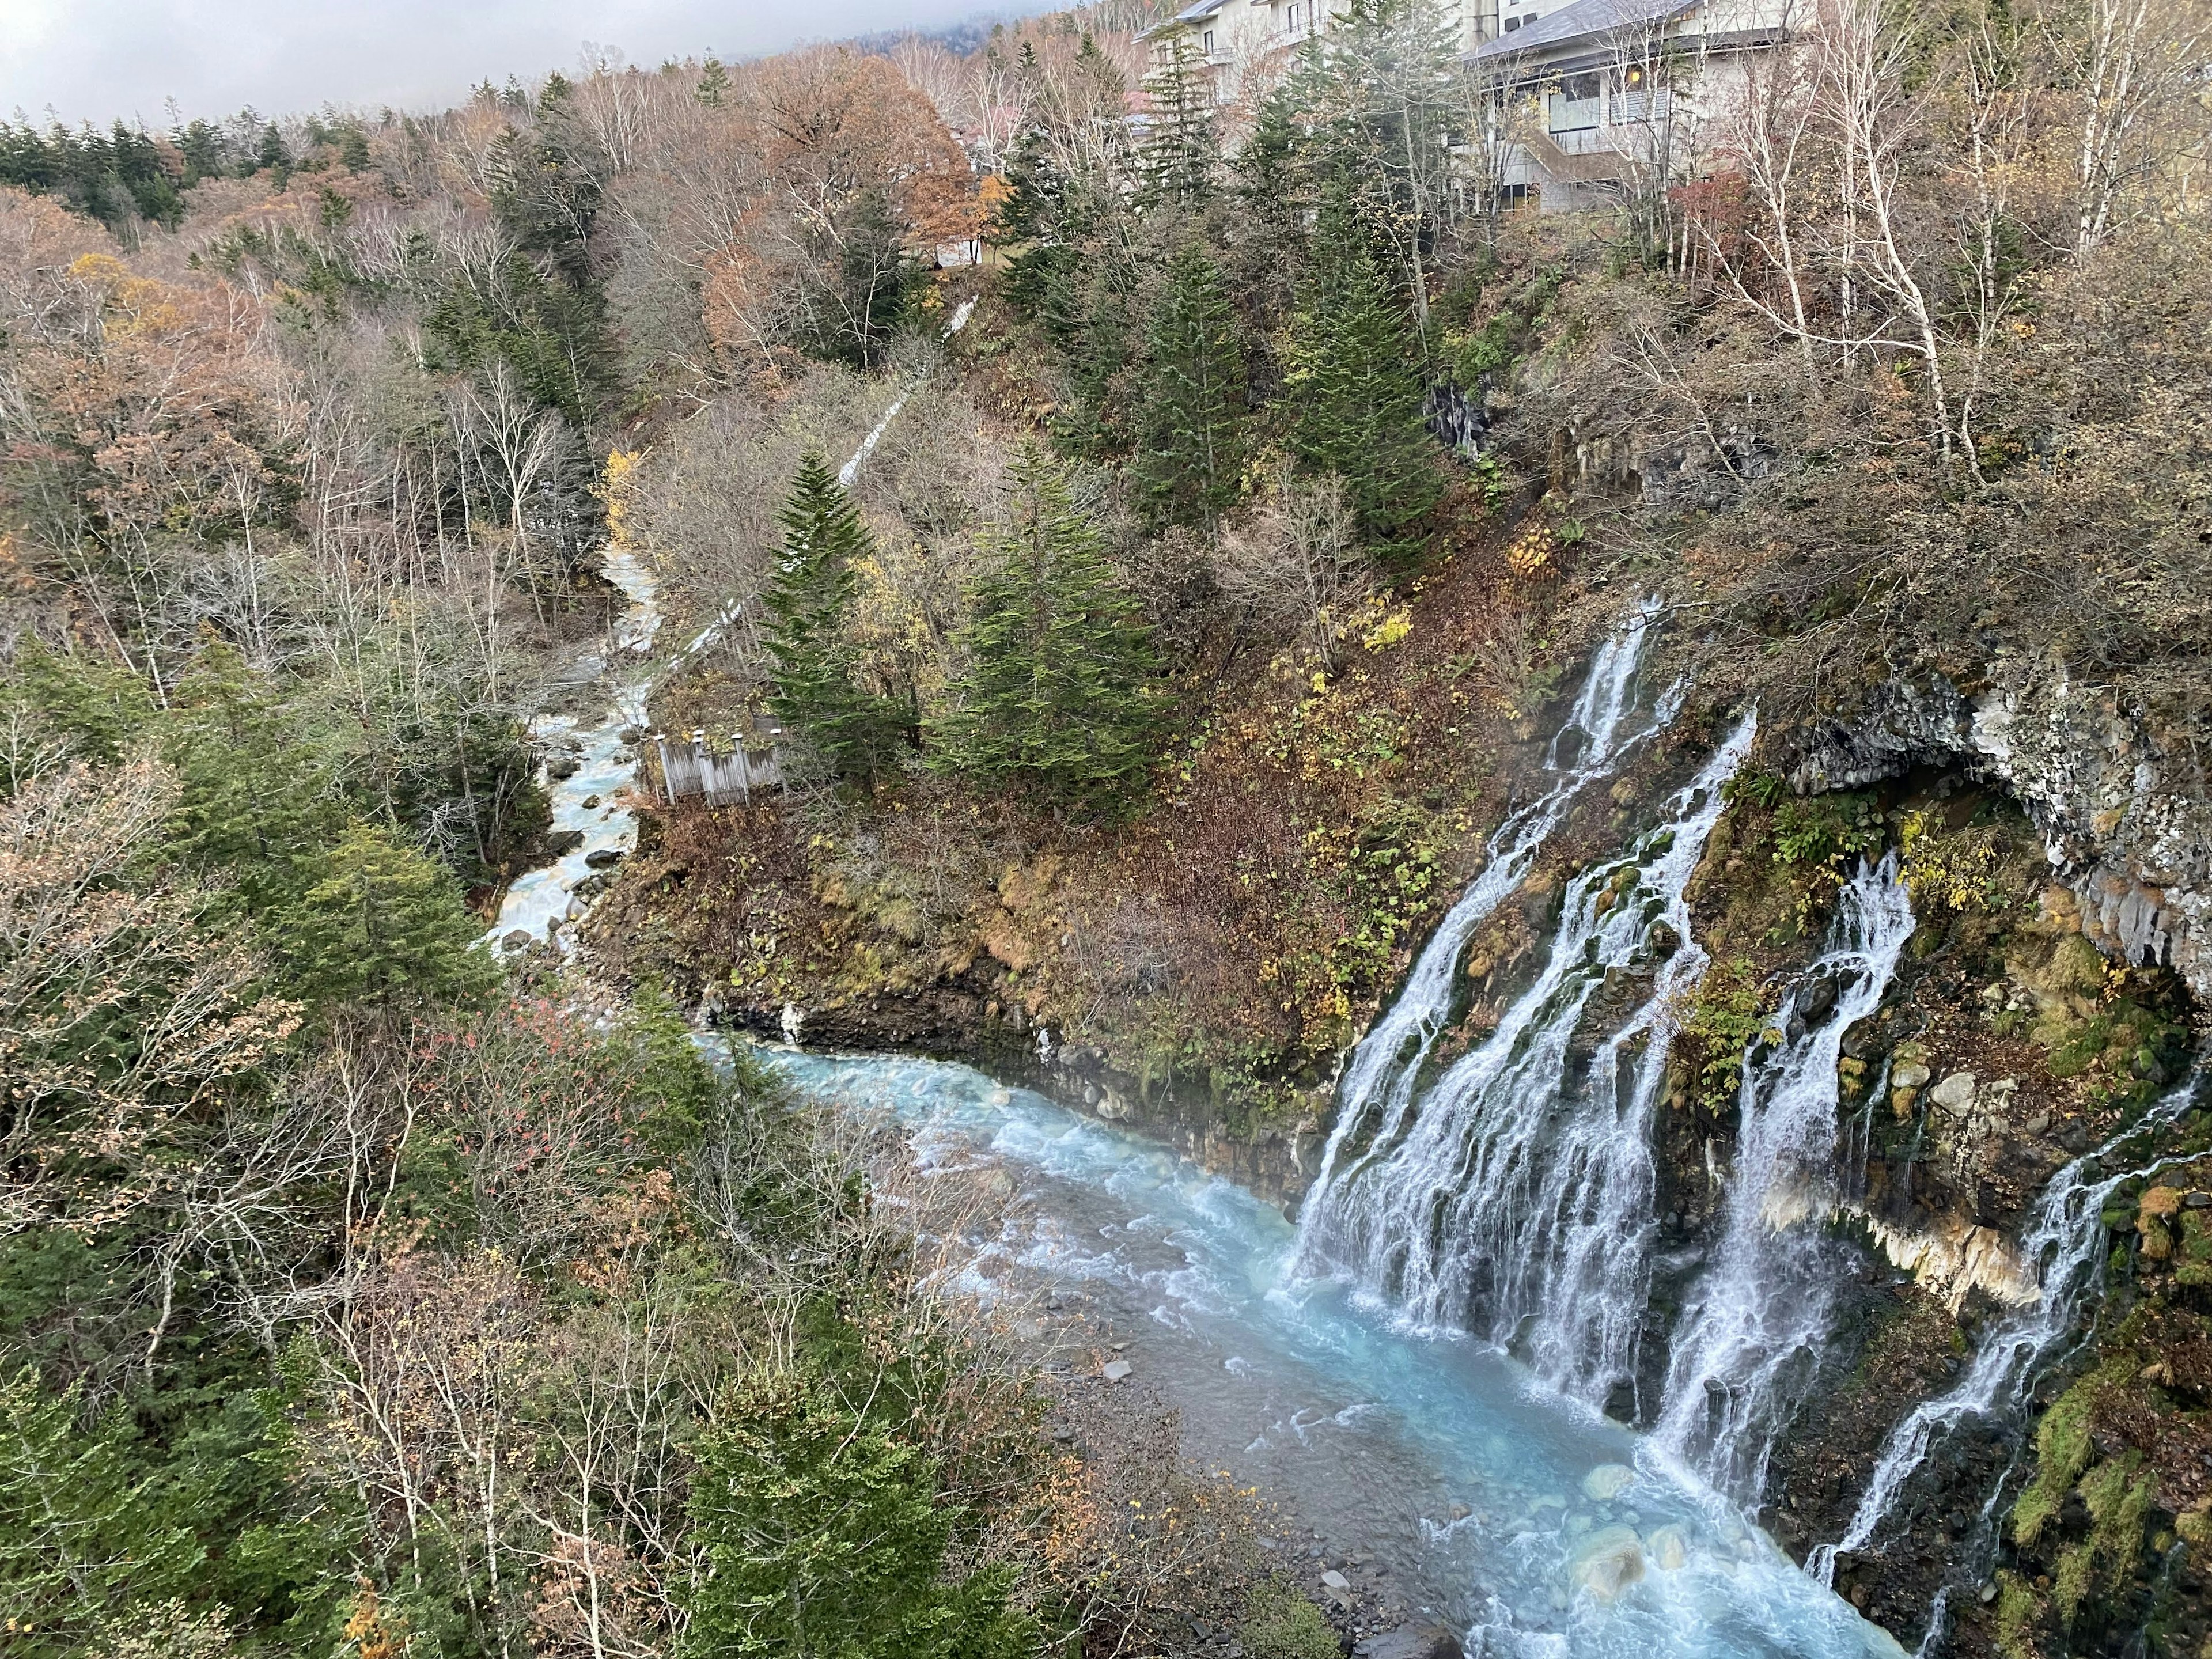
{"points": [[374, 1633], [1956, 870], [616, 483], [1389, 631], [1531, 551]]}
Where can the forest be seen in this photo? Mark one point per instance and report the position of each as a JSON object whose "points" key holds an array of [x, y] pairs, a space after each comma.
{"points": [[1235, 489]]}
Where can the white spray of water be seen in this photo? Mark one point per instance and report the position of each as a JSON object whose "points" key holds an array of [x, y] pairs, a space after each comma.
{"points": [[2066, 1238], [1378, 1081], [1757, 1321], [1514, 1198]]}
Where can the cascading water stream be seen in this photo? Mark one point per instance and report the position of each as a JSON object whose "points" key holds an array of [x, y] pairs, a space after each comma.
{"points": [[2067, 1241], [1757, 1321], [588, 801], [1514, 1198], [1378, 1082]]}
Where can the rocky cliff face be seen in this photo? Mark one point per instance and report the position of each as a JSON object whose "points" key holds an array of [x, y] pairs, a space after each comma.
{"points": [[2123, 810]]}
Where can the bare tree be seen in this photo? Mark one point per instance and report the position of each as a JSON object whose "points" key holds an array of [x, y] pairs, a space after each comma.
{"points": [[1298, 563]]}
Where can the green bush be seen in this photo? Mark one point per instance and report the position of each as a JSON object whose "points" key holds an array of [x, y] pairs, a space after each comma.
{"points": [[1279, 1623]]}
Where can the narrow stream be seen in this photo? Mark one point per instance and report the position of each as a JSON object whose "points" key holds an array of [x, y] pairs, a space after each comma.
{"points": [[1572, 1535]]}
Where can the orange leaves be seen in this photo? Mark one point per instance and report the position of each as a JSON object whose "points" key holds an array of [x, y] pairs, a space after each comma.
{"points": [[162, 407], [832, 151]]}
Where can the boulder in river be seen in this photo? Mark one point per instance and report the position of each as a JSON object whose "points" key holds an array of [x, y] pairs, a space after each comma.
{"points": [[1607, 1481], [604, 857], [1669, 1548], [559, 843], [1117, 1370], [1609, 1561]]}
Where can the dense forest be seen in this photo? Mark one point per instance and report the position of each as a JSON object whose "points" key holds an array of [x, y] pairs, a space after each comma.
{"points": [[1243, 484]]}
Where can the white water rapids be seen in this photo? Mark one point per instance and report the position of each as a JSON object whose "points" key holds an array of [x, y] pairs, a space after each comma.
{"points": [[591, 801]]}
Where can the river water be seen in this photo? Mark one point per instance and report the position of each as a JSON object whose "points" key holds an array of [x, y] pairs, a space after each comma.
{"points": [[1376, 1434]]}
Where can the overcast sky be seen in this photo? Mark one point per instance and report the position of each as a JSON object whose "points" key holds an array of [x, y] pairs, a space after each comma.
{"points": [[102, 58]]}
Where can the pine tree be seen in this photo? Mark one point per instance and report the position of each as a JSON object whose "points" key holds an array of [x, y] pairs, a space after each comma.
{"points": [[1176, 163], [1352, 384], [1058, 689], [713, 84], [1190, 447], [385, 923], [809, 604]]}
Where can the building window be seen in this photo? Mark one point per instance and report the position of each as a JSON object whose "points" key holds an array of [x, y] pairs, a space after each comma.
{"points": [[1207, 43]]}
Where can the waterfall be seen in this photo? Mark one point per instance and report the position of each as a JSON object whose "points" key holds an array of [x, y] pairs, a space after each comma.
{"points": [[1513, 1198], [1379, 1079], [2066, 1239], [1757, 1321]]}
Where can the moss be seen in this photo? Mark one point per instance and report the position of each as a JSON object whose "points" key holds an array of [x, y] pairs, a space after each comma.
{"points": [[2062, 1447], [2118, 1494], [2019, 1611], [1281, 1624]]}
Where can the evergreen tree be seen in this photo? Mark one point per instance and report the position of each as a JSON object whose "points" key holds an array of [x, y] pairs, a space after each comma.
{"points": [[1057, 691], [1190, 439], [713, 84], [1090, 299], [384, 924], [1352, 384], [809, 607], [825, 1532], [1176, 163]]}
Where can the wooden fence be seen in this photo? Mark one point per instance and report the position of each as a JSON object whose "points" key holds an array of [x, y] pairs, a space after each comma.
{"points": [[690, 767]]}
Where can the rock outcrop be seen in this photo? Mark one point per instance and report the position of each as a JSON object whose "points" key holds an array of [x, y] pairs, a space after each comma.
{"points": [[2123, 813]]}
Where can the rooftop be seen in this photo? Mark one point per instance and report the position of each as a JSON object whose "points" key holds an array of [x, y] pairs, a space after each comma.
{"points": [[1580, 18]]}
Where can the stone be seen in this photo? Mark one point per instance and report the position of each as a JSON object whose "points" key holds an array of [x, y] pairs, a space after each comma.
{"points": [[1334, 1580], [1117, 1370], [1669, 1547], [1956, 1093], [2037, 1125], [603, 858], [1607, 1481], [518, 939], [559, 843], [1028, 1330], [562, 767], [1607, 1562], [1459, 1511], [590, 801], [1910, 1075], [1411, 1642]]}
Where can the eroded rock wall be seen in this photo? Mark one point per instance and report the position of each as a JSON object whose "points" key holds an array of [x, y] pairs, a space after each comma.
{"points": [[2123, 810]]}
